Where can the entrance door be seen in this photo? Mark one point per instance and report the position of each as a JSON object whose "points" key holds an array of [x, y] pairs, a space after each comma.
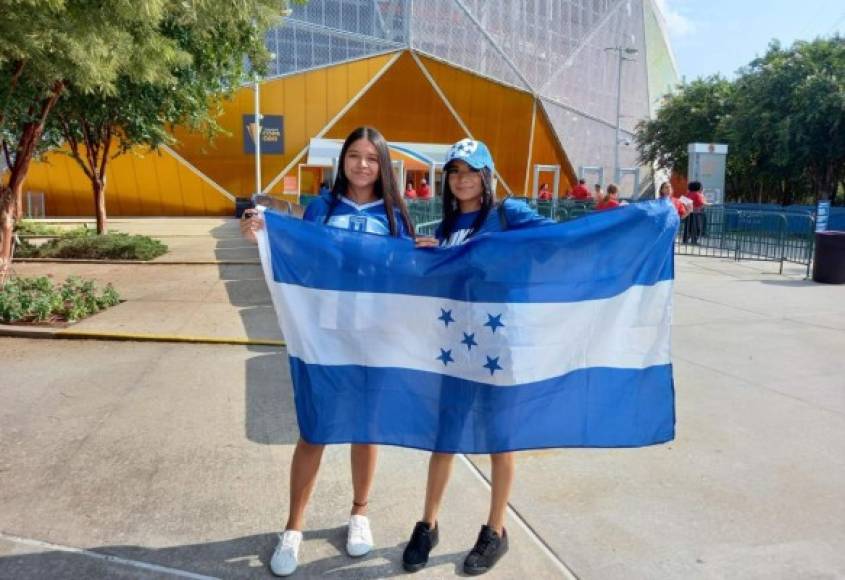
{"points": [[548, 175], [629, 182]]}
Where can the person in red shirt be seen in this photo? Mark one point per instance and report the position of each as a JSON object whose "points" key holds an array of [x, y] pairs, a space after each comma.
{"points": [[580, 191], [665, 191], [424, 191], [694, 194], [611, 200], [545, 194], [695, 226], [410, 193]]}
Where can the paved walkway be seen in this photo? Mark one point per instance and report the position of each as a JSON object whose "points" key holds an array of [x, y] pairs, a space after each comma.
{"points": [[162, 460]]}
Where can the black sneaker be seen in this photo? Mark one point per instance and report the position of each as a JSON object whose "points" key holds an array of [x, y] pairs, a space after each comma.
{"points": [[422, 541], [488, 549]]}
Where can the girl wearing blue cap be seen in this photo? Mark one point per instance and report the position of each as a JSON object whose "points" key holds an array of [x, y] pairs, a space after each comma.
{"points": [[469, 209]]}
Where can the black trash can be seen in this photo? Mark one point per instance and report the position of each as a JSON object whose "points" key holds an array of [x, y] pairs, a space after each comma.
{"points": [[829, 259], [242, 204]]}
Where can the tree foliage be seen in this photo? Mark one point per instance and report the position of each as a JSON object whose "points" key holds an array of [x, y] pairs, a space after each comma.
{"points": [[783, 119], [212, 41], [120, 71]]}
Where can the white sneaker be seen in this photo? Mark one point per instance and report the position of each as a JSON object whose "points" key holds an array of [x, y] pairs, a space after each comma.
{"points": [[286, 557], [359, 539]]}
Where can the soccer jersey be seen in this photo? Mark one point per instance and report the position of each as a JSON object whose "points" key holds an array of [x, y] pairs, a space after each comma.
{"points": [[517, 216], [370, 217]]}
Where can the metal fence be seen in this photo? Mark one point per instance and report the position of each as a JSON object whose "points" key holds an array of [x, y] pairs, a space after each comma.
{"points": [[748, 235], [425, 210]]}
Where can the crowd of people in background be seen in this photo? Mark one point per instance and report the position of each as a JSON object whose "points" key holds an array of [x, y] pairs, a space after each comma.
{"points": [[423, 192], [689, 205]]}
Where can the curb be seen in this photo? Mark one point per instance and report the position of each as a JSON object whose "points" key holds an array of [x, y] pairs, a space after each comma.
{"points": [[137, 262], [61, 333]]}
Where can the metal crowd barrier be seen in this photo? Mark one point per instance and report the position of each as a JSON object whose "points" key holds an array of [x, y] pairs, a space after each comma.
{"points": [[719, 231], [761, 235]]}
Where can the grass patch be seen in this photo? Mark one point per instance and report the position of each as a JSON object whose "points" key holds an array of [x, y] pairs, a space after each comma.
{"points": [[84, 244], [30, 228], [38, 300]]}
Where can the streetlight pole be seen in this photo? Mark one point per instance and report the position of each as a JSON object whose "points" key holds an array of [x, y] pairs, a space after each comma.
{"points": [[257, 135], [621, 52], [285, 13]]}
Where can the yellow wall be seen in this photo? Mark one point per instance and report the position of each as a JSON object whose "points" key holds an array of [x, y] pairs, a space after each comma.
{"points": [[308, 101], [547, 151], [404, 107], [497, 115], [136, 185], [401, 103]]}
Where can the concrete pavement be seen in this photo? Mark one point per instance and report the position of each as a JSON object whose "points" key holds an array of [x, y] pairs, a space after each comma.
{"points": [[178, 455]]}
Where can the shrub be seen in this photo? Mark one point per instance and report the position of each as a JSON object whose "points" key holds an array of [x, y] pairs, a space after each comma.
{"points": [[38, 300], [86, 244]]}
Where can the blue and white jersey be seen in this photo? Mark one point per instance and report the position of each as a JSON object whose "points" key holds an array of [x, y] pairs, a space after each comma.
{"points": [[517, 215], [369, 218]]}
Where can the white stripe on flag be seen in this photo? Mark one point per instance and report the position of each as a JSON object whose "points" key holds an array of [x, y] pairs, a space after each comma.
{"points": [[537, 340]]}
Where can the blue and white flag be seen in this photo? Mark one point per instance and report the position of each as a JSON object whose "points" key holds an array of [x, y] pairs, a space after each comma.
{"points": [[556, 336]]}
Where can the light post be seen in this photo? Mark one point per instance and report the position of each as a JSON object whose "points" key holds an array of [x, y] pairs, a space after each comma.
{"points": [[621, 52], [285, 13], [257, 135]]}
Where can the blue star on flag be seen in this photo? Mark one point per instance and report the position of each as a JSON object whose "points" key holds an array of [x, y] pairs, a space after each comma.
{"points": [[446, 316], [469, 340], [493, 365], [445, 357], [494, 322]]}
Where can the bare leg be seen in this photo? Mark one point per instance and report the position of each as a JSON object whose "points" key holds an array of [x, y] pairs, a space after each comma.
{"points": [[439, 470], [503, 472], [303, 476], [363, 458]]}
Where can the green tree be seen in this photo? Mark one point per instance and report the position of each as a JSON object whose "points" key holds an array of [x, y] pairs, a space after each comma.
{"points": [[213, 40], [693, 114], [791, 105], [783, 119], [48, 46]]}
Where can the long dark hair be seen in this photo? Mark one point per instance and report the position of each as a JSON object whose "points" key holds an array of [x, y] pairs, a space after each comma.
{"points": [[451, 210], [385, 186]]}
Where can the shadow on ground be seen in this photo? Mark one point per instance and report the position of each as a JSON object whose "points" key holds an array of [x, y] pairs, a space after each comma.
{"points": [[245, 557], [270, 411]]}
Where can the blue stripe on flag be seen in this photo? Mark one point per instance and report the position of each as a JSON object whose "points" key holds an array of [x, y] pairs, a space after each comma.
{"points": [[593, 407], [595, 257]]}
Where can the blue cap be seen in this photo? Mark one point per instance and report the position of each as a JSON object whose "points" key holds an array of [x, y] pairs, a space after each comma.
{"points": [[473, 153]]}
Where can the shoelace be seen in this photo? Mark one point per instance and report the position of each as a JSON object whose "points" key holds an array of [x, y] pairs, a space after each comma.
{"points": [[420, 533], [483, 546], [288, 541], [356, 529]]}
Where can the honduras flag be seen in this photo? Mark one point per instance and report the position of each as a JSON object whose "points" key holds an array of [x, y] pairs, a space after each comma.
{"points": [[555, 336]]}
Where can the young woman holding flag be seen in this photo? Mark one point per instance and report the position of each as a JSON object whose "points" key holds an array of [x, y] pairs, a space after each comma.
{"points": [[365, 198], [469, 209]]}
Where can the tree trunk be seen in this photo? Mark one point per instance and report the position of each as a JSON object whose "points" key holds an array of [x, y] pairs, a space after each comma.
{"points": [[7, 224], [828, 183], [11, 195], [99, 187]]}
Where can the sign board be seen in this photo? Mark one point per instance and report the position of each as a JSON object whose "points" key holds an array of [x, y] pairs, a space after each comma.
{"points": [[289, 184], [272, 134], [707, 165]]}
